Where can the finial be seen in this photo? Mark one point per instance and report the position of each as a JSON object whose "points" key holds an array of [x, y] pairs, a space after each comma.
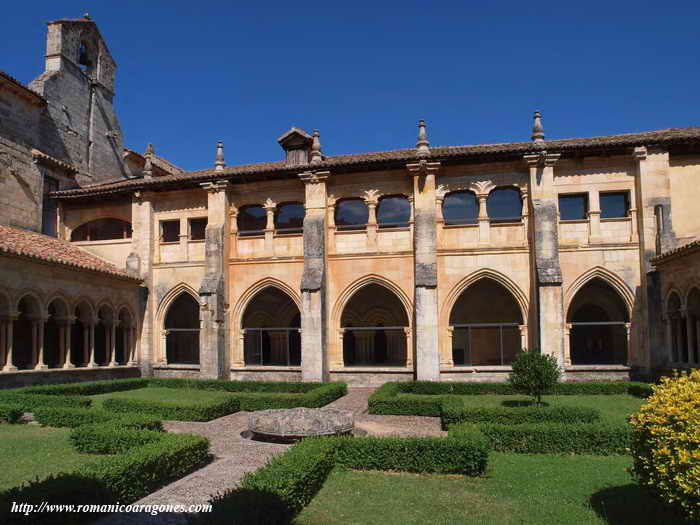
{"points": [[148, 166], [219, 163], [422, 149], [87, 16], [537, 129], [316, 155]]}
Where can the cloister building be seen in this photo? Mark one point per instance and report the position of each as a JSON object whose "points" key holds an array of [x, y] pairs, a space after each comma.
{"points": [[430, 263]]}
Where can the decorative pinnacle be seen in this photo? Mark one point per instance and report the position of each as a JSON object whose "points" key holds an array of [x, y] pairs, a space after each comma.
{"points": [[537, 129], [422, 149], [316, 155], [148, 167], [219, 163], [87, 16]]}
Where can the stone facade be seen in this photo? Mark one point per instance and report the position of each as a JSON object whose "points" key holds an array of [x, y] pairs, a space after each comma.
{"points": [[457, 257]]}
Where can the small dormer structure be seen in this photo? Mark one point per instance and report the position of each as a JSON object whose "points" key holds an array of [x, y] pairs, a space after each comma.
{"points": [[297, 145]]}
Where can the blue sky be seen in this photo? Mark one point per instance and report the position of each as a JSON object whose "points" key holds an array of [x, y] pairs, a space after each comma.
{"points": [[191, 73]]}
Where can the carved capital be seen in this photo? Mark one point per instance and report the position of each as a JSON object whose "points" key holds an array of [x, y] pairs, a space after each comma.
{"points": [[269, 205], [423, 167], [214, 187], [541, 158], [371, 197], [640, 153], [314, 177]]}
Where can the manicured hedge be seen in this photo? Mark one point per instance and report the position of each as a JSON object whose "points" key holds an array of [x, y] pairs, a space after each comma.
{"points": [[74, 417], [386, 401], [87, 388], [454, 411], [552, 438], [204, 411], [467, 455], [271, 387], [10, 413], [563, 388], [28, 402], [113, 438]]}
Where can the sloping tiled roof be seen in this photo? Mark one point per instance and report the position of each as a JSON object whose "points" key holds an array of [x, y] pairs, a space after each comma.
{"points": [[24, 243], [677, 252], [384, 159], [20, 88]]}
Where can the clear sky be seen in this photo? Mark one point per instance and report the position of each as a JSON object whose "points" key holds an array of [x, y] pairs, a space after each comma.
{"points": [[191, 73]]}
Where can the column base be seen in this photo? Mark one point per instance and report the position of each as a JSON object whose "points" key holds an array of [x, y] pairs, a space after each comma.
{"points": [[132, 363], [41, 367], [68, 365], [113, 364], [9, 368], [92, 365]]}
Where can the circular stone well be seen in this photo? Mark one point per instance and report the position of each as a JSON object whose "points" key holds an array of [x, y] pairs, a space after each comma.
{"points": [[292, 424]]}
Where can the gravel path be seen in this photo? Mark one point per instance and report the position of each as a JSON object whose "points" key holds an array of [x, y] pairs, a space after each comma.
{"points": [[234, 456]]}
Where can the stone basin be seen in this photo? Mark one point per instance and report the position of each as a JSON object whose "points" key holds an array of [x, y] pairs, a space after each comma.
{"points": [[292, 424]]}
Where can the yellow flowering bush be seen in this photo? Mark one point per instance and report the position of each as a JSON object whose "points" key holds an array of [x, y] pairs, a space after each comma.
{"points": [[666, 442]]}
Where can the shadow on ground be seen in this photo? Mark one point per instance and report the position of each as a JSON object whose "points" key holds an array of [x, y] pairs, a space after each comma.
{"points": [[632, 505]]}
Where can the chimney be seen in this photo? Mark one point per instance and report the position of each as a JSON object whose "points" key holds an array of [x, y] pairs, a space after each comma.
{"points": [[297, 145]]}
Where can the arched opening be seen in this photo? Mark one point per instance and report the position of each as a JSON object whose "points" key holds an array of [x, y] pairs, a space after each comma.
{"points": [[252, 220], [598, 317], [503, 205], [271, 323], [694, 325], [374, 323], [677, 329], [124, 338], [54, 333], [102, 230], [460, 207], [103, 335], [80, 335], [351, 214], [25, 333], [182, 331], [393, 211], [289, 217], [485, 322]]}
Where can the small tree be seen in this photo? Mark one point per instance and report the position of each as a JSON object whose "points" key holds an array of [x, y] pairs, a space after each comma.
{"points": [[534, 374]]}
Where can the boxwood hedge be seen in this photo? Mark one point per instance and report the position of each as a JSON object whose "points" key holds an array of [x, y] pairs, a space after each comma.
{"points": [[203, 411]]}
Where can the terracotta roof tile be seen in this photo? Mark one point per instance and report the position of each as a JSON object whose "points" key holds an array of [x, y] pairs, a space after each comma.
{"points": [[24, 243], [382, 159], [18, 86], [680, 251]]}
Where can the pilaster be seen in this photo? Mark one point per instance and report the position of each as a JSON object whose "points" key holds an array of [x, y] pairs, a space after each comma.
{"points": [[313, 282]]}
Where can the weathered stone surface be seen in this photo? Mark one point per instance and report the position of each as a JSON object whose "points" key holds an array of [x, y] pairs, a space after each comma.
{"points": [[301, 422]]}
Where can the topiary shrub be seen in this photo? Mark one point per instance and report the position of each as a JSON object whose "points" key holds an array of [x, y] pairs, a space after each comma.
{"points": [[666, 442], [534, 374]]}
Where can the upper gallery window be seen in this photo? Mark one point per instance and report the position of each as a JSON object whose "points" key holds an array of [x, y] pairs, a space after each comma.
{"points": [[394, 211], [460, 207], [170, 231], [198, 228], [614, 204], [503, 205], [102, 230], [573, 207], [351, 214], [252, 220], [289, 217]]}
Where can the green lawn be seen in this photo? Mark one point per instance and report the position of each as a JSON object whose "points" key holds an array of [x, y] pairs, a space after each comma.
{"points": [[613, 408], [181, 396], [31, 451], [517, 489]]}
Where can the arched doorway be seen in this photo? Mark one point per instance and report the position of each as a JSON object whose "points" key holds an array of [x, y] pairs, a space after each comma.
{"points": [[485, 323], [374, 324], [270, 324], [598, 318], [182, 331], [25, 341]]}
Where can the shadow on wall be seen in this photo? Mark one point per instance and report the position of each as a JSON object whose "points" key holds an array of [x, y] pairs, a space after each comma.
{"points": [[614, 505]]}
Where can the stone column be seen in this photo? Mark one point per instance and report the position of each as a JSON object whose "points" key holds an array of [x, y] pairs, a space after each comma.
{"points": [[628, 332], [3, 340], [133, 358], [524, 213], [523, 337], [9, 364], [66, 360], [314, 324], [214, 356], [483, 219], [112, 349], [270, 207], [653, 206], [594, 236], [371, 199], [682, 341], [40, 324], [139, 263], [233, 229], [90, 336], [184, 238], [425, 270], [545, 245], [331, 224], [567, 344], [447, 357], [238, 360], [409, 346]]}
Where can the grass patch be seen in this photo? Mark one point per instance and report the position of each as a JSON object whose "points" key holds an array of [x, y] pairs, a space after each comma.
{"points": [[612, 408], [181, 396], [32, 452], [520, 489]]}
